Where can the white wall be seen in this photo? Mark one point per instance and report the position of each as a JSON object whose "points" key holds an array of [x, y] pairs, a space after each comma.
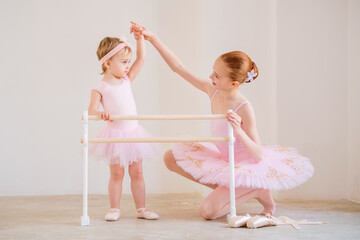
{"points": [[354, 99], [49, 67], [312, 91], [175, 94], [222, 30]]}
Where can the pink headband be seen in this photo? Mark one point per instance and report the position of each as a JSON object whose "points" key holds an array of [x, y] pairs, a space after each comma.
{"points": [[113, 52]]}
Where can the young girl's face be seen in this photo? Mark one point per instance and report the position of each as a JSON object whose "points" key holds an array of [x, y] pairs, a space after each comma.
{"points": [[220, 77], [120, 64]]}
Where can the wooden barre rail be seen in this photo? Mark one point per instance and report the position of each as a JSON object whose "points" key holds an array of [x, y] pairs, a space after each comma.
{"points": [[157, 139], [160, 117], [85, 220]]}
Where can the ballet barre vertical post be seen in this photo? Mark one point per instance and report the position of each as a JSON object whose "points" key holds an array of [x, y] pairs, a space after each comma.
{"points": [[85, 220], [232, 171]]}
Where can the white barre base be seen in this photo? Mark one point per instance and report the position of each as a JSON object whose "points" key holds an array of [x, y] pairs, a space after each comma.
{"points": [[85, 221]]}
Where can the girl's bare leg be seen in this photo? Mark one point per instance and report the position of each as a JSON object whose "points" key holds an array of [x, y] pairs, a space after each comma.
{"points": [[217, 204], [137, 184], [115, 185]]}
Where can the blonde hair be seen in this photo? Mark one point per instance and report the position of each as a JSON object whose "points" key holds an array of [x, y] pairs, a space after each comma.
{"points": [[238, 65], [106, 45]]}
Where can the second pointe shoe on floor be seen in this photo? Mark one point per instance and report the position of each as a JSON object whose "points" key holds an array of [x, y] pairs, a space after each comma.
{"points": [[261, 221], [239, 221], [113, 214], [146, 214]]}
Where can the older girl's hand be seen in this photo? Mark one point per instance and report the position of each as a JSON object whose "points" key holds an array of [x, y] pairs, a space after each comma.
{"points": [[234, 119], [139, 30], [136, 29]]}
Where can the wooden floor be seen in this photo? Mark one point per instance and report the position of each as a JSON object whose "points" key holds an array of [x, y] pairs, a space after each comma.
{"points": [[58, 217]]}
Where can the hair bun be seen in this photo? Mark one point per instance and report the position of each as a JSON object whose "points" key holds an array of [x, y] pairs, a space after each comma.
{"points": [[254, 67]]}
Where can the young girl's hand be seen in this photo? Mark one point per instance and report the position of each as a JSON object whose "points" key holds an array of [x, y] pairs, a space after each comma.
{"points": [[136, 29], [234, 119], [105, 116], [140, 30]]}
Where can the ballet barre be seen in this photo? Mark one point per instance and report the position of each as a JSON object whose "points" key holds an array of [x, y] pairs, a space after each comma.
{"points": [[161, 117], [85, 220], [158, 140]]}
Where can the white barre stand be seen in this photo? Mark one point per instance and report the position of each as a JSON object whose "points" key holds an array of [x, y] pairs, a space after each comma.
{"points": [[85, 221]]}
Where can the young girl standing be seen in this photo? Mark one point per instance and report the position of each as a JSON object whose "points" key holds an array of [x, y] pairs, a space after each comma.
{"points": [[258, 168], [115, 95]]}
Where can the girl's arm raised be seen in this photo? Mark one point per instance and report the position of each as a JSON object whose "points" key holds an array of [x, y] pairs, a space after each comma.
{"points": [[140, 58], [175, 64], [171, 59]]}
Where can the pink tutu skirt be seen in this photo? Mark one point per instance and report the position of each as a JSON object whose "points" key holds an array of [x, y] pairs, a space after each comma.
{"points": [[123, 154], [281, 167]]}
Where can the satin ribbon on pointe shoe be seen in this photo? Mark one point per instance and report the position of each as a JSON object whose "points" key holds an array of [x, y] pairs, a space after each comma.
{"points": [[283, 220], [268, 220]]}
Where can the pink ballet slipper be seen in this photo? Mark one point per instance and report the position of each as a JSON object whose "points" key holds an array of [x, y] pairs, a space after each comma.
{"points": [[146, 214], [113, 214]]}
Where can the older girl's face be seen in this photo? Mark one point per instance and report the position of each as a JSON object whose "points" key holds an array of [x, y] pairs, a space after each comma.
{"points": [[219, 76]]}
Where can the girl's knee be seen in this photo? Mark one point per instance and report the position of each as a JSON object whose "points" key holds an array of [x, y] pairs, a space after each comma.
{"points": [[136, 173], [117, 175], [169, 160], [207, 210]]}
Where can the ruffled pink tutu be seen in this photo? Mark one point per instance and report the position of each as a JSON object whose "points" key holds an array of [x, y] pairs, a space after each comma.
{"points": [[123, 154], [281, 167]]}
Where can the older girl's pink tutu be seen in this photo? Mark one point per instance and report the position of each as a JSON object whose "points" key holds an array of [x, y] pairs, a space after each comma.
{"points": [[280, 168], [123, 154]]}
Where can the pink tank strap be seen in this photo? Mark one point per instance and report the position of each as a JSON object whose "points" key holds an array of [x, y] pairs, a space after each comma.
{"points": [[241, 104], [212, 98]]}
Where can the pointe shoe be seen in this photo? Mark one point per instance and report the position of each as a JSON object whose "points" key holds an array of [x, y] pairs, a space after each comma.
{"points": [[146, 214], [113, 214], [239, 221], [261, 221]]}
